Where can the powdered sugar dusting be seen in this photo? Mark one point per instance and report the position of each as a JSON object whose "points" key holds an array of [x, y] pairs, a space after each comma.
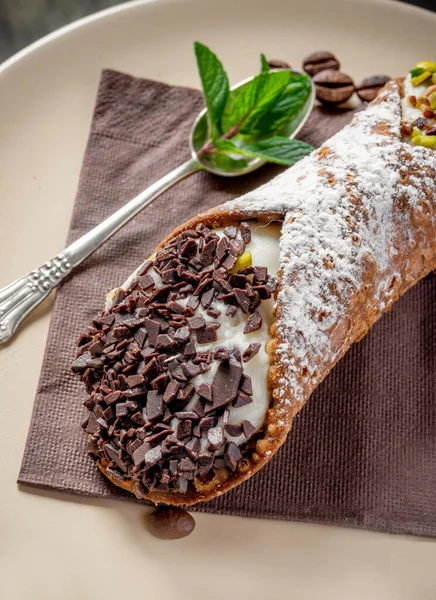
{"points": [[343, 229]]}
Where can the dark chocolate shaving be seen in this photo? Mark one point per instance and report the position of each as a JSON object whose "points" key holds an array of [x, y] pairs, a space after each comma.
{"points": [[232, 455], [251, 351], [241, 400], [189, 249], [139, 454], [233, 430], [145, 282], [206, 335], [196, 322], [226, 382], [152, 328], [230, 231], [230, 262], [171, 391], [205, 391], [243, 299], [154, 408], [246, 385], [184, 429], [248, 429], [245, 232], [260, 275], [254, 322]]}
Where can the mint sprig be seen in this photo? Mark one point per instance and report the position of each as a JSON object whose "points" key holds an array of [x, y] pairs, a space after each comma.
{"points": [[215, 86], [253, 120]]}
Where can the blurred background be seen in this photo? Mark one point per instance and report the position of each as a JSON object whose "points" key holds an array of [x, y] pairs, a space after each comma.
{"points": [[24, 21]]}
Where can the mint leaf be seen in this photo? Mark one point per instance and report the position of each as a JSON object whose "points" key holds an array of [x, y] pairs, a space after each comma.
{"points": [[271, 85], [264, 66], [290, 102], [253, 98], [240, 102], [215, 87], [280, 150]]}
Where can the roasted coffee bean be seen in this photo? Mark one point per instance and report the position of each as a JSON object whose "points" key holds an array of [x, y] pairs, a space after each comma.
{"points": [[368, 89], [276, 63], [333, 87], [320, 61], [169, 523]]}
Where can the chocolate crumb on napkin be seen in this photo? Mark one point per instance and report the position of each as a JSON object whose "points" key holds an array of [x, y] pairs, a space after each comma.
{"points": [[363, 451]]}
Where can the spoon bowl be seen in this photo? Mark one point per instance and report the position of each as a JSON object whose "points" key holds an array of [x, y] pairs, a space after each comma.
{"points": [[227, 166]]}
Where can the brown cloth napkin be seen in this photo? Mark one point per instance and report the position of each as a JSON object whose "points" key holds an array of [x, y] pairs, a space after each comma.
{"points": [[363, 451]]}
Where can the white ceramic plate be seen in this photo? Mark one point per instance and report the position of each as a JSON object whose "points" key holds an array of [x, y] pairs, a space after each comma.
{"points": [[53, 547]]}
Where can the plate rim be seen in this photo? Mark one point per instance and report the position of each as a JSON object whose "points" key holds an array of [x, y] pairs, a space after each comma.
{"points": [[397, 5]]}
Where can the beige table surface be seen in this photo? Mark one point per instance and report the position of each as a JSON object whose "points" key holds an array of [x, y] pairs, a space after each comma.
{"points": [[57, 547]]}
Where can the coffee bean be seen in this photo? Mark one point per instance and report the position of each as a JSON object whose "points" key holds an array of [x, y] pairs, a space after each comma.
{"points": [[169, 523], [320, 61], [276, 63], [333, 87], [368, 89]]}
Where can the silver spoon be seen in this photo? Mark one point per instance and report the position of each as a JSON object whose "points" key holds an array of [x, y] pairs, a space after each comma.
{"points": [[19, 298]]}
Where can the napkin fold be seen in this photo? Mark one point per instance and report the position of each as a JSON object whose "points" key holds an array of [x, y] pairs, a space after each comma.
{"points": [[362, 453]]}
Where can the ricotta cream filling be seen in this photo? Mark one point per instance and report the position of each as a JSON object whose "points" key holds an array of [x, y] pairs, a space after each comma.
{"points": [[409, 112]]}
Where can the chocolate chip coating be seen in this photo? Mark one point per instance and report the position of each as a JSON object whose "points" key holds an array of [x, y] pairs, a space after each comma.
{"points": [[140, 357], [169, 523]]}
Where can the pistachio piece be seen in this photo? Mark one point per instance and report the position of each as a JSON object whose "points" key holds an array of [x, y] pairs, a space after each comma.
{"points": [[420, 78], [430, 90], [428, 141], [427, 66], [245, 260]]}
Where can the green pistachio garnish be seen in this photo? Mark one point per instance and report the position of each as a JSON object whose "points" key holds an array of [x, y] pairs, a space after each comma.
{"points": [[245, 260], [428, 141], [420, 78], [422, 71], [416, 71], [427, 65]]}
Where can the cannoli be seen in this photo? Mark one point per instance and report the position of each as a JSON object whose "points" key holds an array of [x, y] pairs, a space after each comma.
{"points": [[201, 360]]}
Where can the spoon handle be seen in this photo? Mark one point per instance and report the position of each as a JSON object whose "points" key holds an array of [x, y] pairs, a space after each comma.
{"points": [[23, 295]]}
